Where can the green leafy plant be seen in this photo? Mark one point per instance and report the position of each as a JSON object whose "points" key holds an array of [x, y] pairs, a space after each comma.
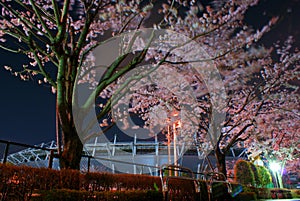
{"points": [[255, 174], [265, 177], [245, 196], [243, 173]]}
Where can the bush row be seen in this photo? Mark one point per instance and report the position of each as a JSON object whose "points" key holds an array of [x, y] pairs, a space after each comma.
{"points": [[267, 193], [140, 195], [249, 174], [19, 183], [180, 189], [75, 195], [48, 179], [295, 193]]}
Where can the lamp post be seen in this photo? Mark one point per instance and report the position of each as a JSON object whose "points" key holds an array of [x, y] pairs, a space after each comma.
{"points": [[175, 144], [175, 124], [275, 167], [169, 142]]}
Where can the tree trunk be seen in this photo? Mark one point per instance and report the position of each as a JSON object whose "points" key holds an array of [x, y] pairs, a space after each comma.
{"points": [[221, 161], [71, 144], [72, 150], [72, 147]]}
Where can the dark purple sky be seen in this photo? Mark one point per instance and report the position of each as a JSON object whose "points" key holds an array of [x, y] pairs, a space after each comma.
{"points": [[28, 109]]}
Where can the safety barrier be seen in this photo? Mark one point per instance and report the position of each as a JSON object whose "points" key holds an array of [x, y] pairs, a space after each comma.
{"points": [[207, 185], [197, 185]]}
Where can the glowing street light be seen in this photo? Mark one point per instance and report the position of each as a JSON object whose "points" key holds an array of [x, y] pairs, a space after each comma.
{"points": [[275, 167]]}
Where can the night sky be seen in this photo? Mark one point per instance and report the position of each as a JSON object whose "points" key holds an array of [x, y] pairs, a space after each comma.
{"points": [[28, 109]]}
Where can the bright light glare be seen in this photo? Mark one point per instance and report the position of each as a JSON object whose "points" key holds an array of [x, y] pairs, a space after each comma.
{"points": [[275, 166]]}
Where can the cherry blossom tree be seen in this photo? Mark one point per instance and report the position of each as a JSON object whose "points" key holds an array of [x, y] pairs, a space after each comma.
{"points": [[277, 130], [252, 78], [57, 36], [238, 61], [60, 38]]}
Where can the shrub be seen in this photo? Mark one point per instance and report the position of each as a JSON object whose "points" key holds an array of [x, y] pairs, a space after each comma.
{"points": [[280, 193], [97, 182], [19, 182], [264, 176], [245, 196], [254, 169], [69, 179], [75, 195], [63, 195], [136, 182], [264, 193], [180, 189], [243, 173], [139, 195], [16, 183], [42, 180], [295, 193], [106, 181]]}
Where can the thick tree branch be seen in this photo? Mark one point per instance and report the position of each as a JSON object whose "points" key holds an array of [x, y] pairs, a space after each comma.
{"points": [[111, 75], [85, 30], [236, 136]]}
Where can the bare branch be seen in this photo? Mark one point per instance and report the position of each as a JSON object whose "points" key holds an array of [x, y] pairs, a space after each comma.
{"points": [[38, 14], [127, 23], [10, 50], [43, 71], [56, 11], [201, 60], [30, 26]]}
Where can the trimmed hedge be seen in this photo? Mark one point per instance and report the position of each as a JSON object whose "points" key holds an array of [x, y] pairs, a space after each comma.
{"points": [[20, 183], [249, 174], [48, 179], [107, 181], [265, 178], [180, 189], [246, 196], [295, 193], [257, 179], [75, 195]]}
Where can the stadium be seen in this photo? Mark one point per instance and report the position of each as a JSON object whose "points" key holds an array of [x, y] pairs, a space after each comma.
{"points": [[137, 157]]}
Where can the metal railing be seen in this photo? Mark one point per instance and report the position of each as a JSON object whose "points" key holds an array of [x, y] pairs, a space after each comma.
{"points": [[168, 172], [30, 153], [47, 152]]}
